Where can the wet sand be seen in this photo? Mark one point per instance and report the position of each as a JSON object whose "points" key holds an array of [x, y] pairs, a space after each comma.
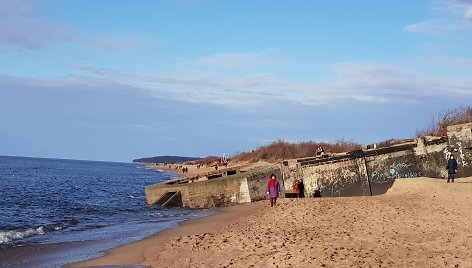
{"points": [[144, 252], [50, 255], [420, 222]]}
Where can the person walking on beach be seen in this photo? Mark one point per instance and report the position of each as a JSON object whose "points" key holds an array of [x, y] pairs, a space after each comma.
{"points": [[451, 168], [273, 190], [301, 189]]}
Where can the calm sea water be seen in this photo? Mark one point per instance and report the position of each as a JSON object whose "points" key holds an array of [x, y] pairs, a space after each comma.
{"points": [[48, 201]]}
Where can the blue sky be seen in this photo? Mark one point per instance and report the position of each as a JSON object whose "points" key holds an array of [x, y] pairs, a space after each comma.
{"points": [[116, 80]]}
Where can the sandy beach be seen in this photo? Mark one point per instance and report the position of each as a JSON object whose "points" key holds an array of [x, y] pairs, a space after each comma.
{"points": [[420, 222], [143, 252]]}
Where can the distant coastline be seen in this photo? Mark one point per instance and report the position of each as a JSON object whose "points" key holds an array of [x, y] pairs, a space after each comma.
{"points": [[169, 159]]}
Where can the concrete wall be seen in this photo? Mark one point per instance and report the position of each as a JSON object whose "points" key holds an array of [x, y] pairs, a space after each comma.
{"points": [[345, 176], [373, 171], [431, 157], [363, 172], [368, 172], [386, 165], [257, 182], [240, 188], [460, 144]]}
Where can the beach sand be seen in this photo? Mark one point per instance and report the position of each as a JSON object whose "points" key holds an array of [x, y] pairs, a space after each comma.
{"points": [[143, 252], [420, 222]]}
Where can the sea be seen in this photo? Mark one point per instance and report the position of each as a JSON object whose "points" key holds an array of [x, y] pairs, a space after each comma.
{"points": [[55, 211]]}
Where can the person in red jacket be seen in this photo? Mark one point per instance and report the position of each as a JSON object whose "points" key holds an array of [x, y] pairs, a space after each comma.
{"points": [[273, 190]]}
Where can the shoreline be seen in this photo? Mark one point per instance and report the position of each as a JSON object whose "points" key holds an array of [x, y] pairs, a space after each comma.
{"points": [[59, 254], [422, 222], [145, 252]]}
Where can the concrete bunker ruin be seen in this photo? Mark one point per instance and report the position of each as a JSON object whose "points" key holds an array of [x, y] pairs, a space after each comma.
{"points": [[359, 173]]}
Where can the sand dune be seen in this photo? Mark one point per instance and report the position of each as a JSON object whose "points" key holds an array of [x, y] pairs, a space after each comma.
{"points": [[418, 223]]}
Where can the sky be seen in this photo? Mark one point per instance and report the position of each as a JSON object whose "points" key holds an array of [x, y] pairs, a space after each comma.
{"points": [[115, 80]]}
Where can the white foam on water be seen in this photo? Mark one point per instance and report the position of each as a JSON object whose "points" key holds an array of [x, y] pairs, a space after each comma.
{"points": [[8, 236]]}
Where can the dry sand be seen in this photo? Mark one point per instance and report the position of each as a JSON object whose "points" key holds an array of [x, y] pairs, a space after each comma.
{"points": [[419, 223]]}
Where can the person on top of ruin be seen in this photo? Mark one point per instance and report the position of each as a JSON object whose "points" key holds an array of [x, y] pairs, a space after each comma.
{"points": [[451, 168], [273, 190]]}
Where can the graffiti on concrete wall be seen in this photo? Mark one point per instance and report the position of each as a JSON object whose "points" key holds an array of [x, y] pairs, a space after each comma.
{"points": [[395, 171], [461, 159], [461, 154], [447, 154], [314, 185]]}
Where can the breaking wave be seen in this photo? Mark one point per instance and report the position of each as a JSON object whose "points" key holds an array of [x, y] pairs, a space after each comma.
{"points": [[8, 236]]}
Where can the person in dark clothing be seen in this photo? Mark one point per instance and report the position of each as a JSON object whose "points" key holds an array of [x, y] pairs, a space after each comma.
{"points": [[451, 168], [301, 189]]}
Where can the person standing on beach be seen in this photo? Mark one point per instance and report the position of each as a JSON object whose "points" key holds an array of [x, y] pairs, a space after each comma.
{"points": [[301, 189], [273, 190], [295, 188], [451, 168]]}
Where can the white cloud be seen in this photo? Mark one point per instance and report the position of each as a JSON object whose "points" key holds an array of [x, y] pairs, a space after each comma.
{"points": [[394, 83], [463, 2], [448, 63], [236, 60], [114, 42], [468, 14], [354, 83], [450, 15], [436, 27], [21, 26], [359, 82]]}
